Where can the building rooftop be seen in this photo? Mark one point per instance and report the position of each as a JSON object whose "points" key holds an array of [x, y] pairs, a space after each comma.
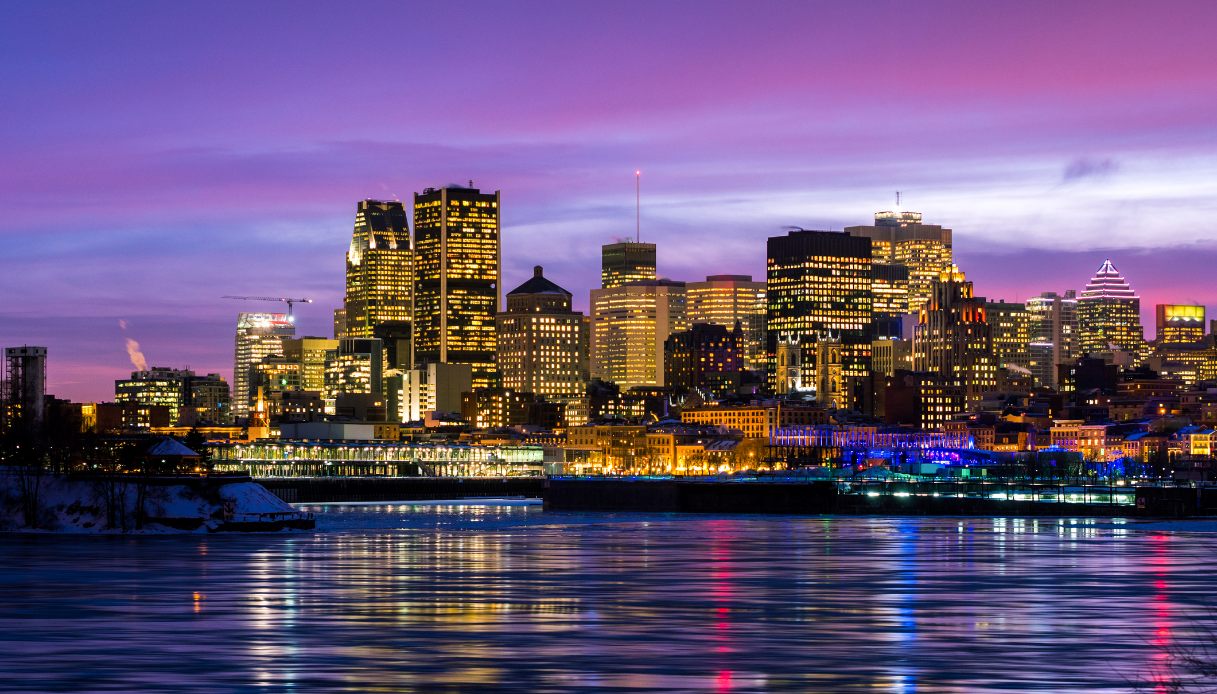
{"points": [[537, 284]]}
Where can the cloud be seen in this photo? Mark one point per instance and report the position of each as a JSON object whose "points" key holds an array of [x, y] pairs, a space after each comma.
{"points": [[1084, 167]]}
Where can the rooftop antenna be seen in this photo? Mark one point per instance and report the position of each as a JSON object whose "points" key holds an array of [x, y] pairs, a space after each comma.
{"points": [[897, 201], [638, 205]]}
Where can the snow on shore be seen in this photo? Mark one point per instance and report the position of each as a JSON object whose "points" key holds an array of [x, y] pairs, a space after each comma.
{"points": [[108, 505]]}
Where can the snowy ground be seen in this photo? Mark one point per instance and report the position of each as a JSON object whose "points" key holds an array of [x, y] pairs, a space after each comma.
{"points": [[108, 506]]}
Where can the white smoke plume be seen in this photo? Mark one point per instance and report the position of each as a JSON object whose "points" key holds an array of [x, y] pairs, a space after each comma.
{"points": [[133, 352]]}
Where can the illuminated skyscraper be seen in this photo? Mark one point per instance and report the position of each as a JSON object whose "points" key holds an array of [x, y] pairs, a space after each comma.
{"points": [[1053, 334], [629, 326], [1179, 323], [954, 340], [626, 261], [729, 299], [1011, 326], [538, 340], [707, 357], [1109, 314], [925, 249], [819, 286], [890, 299], [310, 352], [456, 281], [259, 335], [379, 267]]}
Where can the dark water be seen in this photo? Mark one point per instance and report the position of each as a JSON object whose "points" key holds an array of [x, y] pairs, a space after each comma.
{"points": [[436, 598]]}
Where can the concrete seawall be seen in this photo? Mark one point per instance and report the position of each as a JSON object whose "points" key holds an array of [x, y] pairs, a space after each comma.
{"points": [[312, 490]]}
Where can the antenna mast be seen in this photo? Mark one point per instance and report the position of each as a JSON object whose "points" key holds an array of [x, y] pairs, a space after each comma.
{"points": [[638, 205], [897, 200]]}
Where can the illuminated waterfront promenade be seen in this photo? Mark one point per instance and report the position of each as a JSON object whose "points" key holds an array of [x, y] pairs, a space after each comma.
{"points": [[268, 458]]}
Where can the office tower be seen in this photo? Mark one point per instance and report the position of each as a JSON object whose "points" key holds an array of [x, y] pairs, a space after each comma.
{"points": [[354, 368], [379, 267], [1179, 323], [24, 389], [310, 352], [456, 279], [890, 355], [1053, 334], [434, 388], [890, 299], [189, 398], [1011, 326], [340, 323], [259, 335], [1109, 314], [730, 299], [954, 340], [626, 261], [538, 340], [819, 286], [707, 357], [901, 238], [629, 325]]}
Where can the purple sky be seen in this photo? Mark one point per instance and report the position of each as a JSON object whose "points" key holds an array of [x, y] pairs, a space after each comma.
{"points": [[159, 155]]}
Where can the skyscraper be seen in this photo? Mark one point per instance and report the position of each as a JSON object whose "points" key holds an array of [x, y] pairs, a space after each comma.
{"points": [[379, 266], [1179, 323], [259, 335], [819, 286], [706, 357], [730, 299], [538, 340], [954, 340], [901, 238], [890, 296], [1011, 326], [456, 279], [1109, 314], [629, 326], [626, 261], [1053, 334]]}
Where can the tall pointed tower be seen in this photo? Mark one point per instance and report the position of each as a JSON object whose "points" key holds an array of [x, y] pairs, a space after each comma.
{"points": [[1109, 314]]}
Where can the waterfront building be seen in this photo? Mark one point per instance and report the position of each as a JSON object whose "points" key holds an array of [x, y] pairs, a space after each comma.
{"points": [[187, 398], [432, 388], [379, 269], [23, 397], [630, 323], [456, 279], [538, 340], [819, 285], [1053, 320], [706, 357], [954, 340], [1179, 323], [259, 335], [1011, 325], [626, 261], [728, 300], [902, 238], [1109, 314], [757, 420]]}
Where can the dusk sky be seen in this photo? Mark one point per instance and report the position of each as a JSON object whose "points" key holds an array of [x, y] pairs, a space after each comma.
{"points": [[159, 155]]}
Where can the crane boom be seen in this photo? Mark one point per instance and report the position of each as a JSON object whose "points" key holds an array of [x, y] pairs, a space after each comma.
{"points": [[284, 299]]}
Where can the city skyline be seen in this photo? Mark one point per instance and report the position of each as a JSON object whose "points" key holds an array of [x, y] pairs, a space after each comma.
{"points": [[178, 201]]}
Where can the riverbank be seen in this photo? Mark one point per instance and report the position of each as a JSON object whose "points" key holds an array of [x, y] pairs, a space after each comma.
{"points": [[138, 504]]}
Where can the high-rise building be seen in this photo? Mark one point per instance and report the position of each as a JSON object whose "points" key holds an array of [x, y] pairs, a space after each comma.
{"points": [[1179, 323], [538, 340], [354, 368], [259, 335], [706, 357], [189, 398], [434, 388], [1011, 326], [379, 269], [309, 352], [626, 261], [24, 389], [901, 238], [890, 299], [1109, 314], [629, 325], [728, 300], [819, 286], [456, 279], [954, 339], [1053, 333]]}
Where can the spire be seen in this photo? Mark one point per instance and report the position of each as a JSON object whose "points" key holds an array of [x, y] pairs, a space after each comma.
{"points": [[1108, 283]]}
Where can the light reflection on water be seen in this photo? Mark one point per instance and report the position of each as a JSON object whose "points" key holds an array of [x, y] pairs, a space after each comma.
{"points": [[436, 597]]}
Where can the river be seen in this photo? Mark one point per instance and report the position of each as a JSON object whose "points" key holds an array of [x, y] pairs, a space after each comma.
{"points": [[507, 597]]}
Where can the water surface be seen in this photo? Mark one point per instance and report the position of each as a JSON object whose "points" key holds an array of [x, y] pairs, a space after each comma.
{"points": [[443, 597]]}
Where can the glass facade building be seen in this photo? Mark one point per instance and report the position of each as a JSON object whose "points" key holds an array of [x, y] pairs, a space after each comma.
{"points": [[730, 299], [1109, 314], [259, 335], [379, 269], [901, 238], [626, 261]]}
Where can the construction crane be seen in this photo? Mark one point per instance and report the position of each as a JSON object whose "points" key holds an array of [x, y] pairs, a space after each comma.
{"points": [[284, 299]]}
